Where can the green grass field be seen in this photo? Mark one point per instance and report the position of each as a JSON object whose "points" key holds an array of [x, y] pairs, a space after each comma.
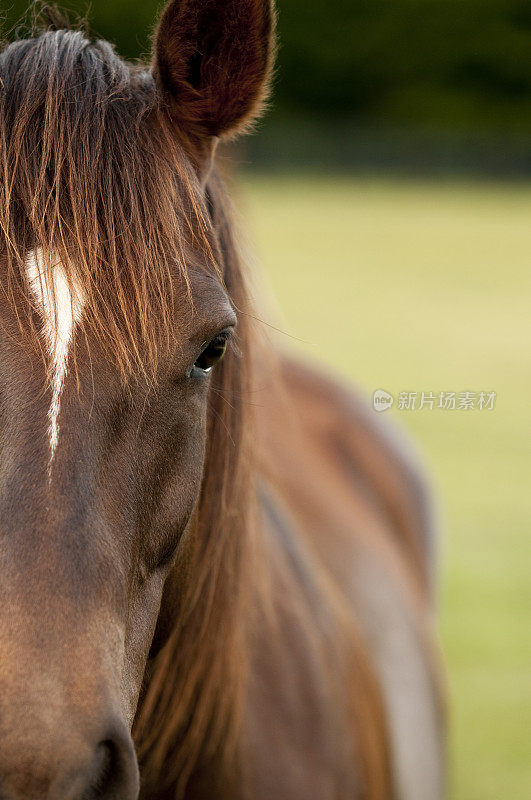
{"points": [[427, 287]]}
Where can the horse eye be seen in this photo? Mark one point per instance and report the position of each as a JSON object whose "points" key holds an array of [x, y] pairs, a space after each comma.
{"points": [[212, 353]]}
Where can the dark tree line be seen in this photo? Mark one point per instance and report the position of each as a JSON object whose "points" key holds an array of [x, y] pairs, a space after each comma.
{"points": [[461, 64]]}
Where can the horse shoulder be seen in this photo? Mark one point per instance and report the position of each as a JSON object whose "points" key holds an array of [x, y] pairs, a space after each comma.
{"points": [[297, 738], [360, 508]]}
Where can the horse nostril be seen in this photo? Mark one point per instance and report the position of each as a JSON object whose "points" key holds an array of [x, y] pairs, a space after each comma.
{"points": [[115, 771], [105, 762]]}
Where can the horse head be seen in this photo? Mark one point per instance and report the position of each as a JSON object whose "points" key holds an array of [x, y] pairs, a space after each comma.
{"points": [[118, 305]]}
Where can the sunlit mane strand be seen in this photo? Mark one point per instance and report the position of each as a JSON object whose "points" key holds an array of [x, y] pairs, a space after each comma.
{"points": [[91, 173]]}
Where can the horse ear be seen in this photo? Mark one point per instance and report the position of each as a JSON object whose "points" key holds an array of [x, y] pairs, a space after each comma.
{"points": [[212, 60]]}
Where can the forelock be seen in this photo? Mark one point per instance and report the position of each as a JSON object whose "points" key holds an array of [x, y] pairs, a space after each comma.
{"points": [[91, 173]]}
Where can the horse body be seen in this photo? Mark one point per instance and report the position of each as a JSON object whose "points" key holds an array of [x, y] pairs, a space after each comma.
{"points": [[350, 513], [216, 556]]}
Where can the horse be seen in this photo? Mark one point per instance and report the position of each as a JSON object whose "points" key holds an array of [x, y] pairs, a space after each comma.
{"points": [[216, 564]]}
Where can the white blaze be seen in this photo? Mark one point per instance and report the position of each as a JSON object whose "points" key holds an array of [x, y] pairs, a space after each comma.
{"points": [[60, 309]]}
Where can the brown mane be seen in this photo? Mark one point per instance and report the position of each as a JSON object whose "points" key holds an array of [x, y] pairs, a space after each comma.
{"points": [[197, 681], [91, 173]]}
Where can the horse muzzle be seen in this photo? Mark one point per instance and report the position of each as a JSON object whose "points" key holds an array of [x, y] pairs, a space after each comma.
{"points": [[69, 764]]}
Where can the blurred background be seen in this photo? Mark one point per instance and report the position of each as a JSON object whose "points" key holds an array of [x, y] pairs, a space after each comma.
{"points": [[388, 193]]}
